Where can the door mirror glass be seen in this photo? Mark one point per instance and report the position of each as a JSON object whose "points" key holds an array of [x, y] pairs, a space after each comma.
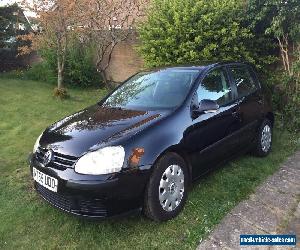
{"points": [[208, 106], [205, 106]]}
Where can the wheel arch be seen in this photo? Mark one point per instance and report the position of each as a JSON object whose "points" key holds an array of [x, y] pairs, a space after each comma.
{"points": [[177, 149]]}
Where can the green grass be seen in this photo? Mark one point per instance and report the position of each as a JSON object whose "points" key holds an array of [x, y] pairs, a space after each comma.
{"points": [[27, 107]]}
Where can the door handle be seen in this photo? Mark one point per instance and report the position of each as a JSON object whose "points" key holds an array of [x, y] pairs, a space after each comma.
{"points": [[240, 100], [236, 114]]}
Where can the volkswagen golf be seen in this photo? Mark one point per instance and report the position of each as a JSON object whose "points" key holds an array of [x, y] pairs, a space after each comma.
{"points": [[141, 146]]}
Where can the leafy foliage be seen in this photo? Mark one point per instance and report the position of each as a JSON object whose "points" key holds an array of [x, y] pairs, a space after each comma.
{"points": [[285, 17], [264, 45], [11, 19], [80, 69], [107, 23], [38, 72], [189, 31], [41, 72], [58, 20], [281, 20]]}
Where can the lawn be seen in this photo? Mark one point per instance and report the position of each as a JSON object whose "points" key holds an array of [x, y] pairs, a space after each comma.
{"points": [[26, 221]]}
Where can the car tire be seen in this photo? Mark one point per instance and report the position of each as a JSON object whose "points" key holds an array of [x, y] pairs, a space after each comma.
{"points": [[263, 142], [169, 181]]}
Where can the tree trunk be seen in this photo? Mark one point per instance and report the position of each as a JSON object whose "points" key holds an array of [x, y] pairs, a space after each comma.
{"points": [[105, 80], [60, 64], [60, 72], [284, 52], [60, 79]]}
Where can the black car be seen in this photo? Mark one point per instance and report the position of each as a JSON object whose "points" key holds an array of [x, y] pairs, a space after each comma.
{"points": [[143, 144]]}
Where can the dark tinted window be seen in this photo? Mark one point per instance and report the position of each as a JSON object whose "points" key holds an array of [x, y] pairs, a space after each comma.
{"points": [[243, 80], [215, 86]]}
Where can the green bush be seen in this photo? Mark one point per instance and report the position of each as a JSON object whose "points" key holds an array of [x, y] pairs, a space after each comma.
{"points": [[37, 72], [80, 67], [183, 31], [288, 117], [13, 74], [286, 102], [280, 20], [41, 72], [80, 70]]}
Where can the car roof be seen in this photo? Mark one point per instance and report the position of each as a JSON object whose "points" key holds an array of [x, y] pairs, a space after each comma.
{"points": [[197, 66]]}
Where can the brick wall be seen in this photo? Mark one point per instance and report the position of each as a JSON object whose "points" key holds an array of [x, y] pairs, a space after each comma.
{"points": [[125, 61]]}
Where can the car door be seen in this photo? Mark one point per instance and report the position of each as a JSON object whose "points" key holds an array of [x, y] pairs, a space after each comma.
{"points": [[210, 138], [249, 100]]}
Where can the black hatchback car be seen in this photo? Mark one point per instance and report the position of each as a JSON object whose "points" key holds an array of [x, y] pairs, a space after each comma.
{"points": [[143, 144]]}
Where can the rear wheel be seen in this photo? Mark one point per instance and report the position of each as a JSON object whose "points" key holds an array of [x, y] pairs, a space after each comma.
{"points": [[264, 139], [166, 191]]}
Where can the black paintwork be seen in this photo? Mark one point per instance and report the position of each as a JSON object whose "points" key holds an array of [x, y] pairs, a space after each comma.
{"points": [[202, 139]]}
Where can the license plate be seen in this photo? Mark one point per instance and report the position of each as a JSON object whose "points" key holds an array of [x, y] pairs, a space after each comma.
{"points": [[45, 180]]}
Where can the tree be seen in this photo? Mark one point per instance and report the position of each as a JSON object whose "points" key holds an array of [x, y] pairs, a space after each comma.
{"points": [[12, 24], [104, 23], [59, 21], [180, 31], [281, 19], [109, 22], [285, 26], [263, 46]]}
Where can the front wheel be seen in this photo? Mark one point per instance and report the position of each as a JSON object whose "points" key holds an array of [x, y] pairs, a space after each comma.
{"points": [[166, 191], [264, 139]]}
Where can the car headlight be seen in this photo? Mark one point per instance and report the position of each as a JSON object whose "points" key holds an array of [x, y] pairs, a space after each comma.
{"points": [[103, 161], [37, 143]]}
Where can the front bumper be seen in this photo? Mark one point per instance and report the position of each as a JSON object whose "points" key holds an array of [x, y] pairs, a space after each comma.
{"points": [[94, 196]]}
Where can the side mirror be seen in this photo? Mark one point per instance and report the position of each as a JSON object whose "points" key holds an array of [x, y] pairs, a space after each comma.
{"points": [[205, 106], [208, 106]]}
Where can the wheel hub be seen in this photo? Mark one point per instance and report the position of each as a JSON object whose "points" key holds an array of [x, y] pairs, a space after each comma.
{"points": [[171, 188], [266, 138]]}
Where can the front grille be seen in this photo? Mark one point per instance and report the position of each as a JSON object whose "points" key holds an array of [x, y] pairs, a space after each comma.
{"points": [[94, 206], [60, 161], [54, 198], [77, 205]]}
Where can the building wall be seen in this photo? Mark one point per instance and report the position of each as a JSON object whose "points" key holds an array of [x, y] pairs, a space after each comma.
{"points": [[125, 61]]}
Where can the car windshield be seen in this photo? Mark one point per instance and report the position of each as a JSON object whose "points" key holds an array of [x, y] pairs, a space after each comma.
{"points": [[159, 89]]}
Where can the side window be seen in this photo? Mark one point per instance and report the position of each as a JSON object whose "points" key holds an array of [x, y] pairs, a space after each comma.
{"points": [[243, 80], [215, 86]]}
